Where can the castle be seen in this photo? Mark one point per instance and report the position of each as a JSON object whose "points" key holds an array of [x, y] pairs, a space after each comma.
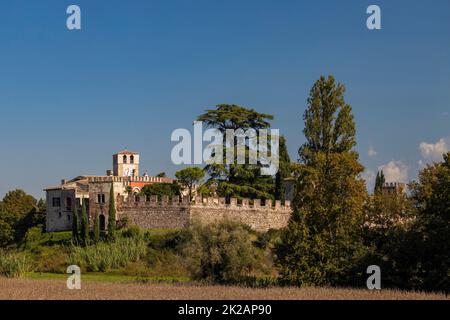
{"points": [[151, 212]]}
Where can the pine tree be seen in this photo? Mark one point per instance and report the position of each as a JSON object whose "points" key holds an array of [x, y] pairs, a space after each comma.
{"points": [[75, 226], [112, 213], [84, 233], [96, 228]]}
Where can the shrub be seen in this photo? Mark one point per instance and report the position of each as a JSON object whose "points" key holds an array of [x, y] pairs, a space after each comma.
{"points": [[14, 264], [133, 232], [33, 235], [221, 252], [108, 256]]}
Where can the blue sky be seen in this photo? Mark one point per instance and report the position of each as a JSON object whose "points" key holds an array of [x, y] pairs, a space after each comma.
{"points": [[140, 69]]}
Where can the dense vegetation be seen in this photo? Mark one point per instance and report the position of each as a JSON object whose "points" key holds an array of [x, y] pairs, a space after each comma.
{"points": [[336, 230]]}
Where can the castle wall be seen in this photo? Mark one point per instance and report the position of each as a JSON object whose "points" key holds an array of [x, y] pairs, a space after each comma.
{"points": [[157, 213], [154, 213]]}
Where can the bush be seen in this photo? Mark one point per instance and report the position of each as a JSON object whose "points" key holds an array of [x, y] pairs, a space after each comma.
{"points": [[108, 256], [133, 232], [33, 235], [221, 253], [14, 264]]}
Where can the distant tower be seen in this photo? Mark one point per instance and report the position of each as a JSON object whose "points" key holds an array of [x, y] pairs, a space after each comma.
{"points": [[126, 164]]}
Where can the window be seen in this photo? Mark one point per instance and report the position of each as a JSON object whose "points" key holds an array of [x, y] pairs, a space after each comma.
{"points": [[59, 215], [68, 204], [68, 217], [124, 159], [56, 202], [131, 159], [101, 198]]}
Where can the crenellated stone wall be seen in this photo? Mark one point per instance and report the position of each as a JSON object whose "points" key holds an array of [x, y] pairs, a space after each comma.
{"points": [[153, 212]]}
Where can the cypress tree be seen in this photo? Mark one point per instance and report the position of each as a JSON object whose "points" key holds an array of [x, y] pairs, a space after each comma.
{"points": [[284, 171], [379, 182], [111, 213], [75, 226], [84, 233], [96, 228]]}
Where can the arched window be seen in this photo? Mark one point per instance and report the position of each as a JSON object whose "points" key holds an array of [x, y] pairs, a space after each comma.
{"points": [[131, 159], [124, 159]]}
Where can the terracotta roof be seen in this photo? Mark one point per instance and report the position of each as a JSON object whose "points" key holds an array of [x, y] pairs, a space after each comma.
{"points": [[126, 152]]}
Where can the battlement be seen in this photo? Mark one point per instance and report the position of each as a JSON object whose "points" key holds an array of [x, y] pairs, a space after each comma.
{"points": [[209, 202], [127, 180]]}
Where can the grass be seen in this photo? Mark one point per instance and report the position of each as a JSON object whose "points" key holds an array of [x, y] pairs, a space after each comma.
{"points": [[14, 264], [114, 277], [92, 289]]}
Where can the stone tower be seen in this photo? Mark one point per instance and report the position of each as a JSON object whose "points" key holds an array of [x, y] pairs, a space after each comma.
{"points": [[126, 164]]}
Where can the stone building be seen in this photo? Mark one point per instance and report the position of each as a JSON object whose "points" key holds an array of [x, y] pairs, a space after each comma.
{"points": [[151, 212]]}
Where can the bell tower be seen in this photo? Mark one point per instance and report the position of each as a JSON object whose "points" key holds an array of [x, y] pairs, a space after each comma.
{"points": [[126, 164]]}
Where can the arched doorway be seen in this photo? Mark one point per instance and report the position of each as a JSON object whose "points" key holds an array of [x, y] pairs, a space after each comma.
{"points": [[102, 222]]}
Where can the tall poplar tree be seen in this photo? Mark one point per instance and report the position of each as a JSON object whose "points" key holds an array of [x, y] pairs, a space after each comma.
{"points": [[323, 242], [284, 171]]}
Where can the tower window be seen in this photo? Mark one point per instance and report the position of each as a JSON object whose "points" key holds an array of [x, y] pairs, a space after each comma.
{"points": [[124, 159], [131, 159], [101, 198], [56, 202], [68, 203]]}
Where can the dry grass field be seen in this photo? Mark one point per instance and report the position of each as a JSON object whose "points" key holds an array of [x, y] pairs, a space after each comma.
{"points": [[23, 289]]}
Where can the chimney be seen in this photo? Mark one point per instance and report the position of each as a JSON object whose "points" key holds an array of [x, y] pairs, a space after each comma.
{"points": [[109, 173]]}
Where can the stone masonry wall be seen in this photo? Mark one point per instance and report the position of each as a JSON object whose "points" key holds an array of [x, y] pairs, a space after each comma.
{"points": [[162, 213]]}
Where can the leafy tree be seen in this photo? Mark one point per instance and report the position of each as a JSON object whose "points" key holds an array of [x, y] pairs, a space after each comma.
{"points": [[221, 252], [161, 175], [379, 182], [431, 195], [84, 232], [284, 171], [96, 234], [162, 189], [238, 180], [189, 177], [75, 226], [18, 212], [112, 213], [323, 241], [329, 123]]}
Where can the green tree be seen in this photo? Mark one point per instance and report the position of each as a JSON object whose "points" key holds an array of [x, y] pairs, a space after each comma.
{"points": [[233, 179], [284, 171], [161, 175], [221, 252], [379, 182], [162, 189], [18, 212], [431, 248], [323, 241], [329, 123], [189, 177], [96, 233], [75, 226], [112, 214], [84, 232]]}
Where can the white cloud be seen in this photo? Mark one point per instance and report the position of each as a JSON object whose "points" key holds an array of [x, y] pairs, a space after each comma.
{"points": [[395, 171], [372, 152], [432, 152], [369, 176]]}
